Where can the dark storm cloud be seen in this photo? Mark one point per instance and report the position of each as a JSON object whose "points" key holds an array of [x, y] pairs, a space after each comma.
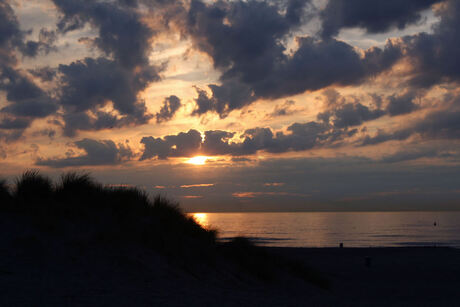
{"points": [[350, 114], [383, 136], [12, 37], [402, 104], [12, 123], [25, 97], [104, 152], [299, 137], [245, 41], [170, 106], [90, 84], [434, 56], [437, 125], [95, 121], [25, 100], [45, 44], [227, 97], [31, 108], [45, 74], [376, 16], [345, 112], [184, 144], [121, 31], [216, 142]]}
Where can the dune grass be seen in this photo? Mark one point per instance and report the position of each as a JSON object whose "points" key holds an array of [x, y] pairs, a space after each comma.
{"points": [[82, 209], [106, 213], [5, 196]]}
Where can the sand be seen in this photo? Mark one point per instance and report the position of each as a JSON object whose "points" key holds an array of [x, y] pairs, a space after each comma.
{"points": [[415, 276], [34, 272]]}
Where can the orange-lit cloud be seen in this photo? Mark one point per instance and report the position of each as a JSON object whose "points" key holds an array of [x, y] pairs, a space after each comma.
{"points": [[202, 185]]}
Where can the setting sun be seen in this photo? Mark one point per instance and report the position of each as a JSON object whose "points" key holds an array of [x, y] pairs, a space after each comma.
{"points": [[201, 218], [199, 160]]}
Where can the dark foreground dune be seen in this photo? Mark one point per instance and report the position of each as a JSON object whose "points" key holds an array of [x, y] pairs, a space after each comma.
{"points": [[412, 276], [77, 243], [45, 274]]}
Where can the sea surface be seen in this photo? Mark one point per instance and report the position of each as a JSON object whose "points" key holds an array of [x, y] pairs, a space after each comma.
{"points": [[329, 229]]}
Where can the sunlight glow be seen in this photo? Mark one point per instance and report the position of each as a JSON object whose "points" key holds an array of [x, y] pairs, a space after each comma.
{"points": [[201, 218], [199, 160]]}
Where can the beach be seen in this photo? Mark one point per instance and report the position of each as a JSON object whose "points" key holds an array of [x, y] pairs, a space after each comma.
{"points": [[50, 273], [79, 243], [407, 276]]}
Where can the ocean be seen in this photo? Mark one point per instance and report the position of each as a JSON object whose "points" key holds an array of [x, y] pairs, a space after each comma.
{"points": [[329, 229]]}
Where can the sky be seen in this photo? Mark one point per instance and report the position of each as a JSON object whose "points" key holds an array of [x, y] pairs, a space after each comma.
{"points": [[232, 105]]}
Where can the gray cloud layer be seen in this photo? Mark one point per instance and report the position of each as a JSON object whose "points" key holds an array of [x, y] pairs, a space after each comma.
{"points": [[91, 83], [27, 101], [244, 39], [375, 16], [104, 152], [216, 142]]}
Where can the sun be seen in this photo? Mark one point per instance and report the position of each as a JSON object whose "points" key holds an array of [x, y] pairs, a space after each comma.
{"points": [[199, 160]]}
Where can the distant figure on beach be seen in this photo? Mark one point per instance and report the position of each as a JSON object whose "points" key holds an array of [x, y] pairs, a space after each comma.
{"points": [[435, 224]]}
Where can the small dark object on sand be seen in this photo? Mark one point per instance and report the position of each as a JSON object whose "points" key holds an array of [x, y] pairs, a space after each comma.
{"points": [[368, 261], [435, 224], [341, 245]]}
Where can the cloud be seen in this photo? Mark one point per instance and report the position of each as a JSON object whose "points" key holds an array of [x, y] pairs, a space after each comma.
{"points": [[382, 136], [122, 34], [436, 125], [181, 145], [344, 112], [91, 84], [299, 137], [417, 153], [261, 194], [349, 111], [13, 38], [433, 56], [373, 16], [104, 152], [45, 44], [170, 106], [25, 100], [402, 104], [3, 154], [45, 74], [201, 185], [245, 42], [284, 109], [118, 78], [350, 114]]}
